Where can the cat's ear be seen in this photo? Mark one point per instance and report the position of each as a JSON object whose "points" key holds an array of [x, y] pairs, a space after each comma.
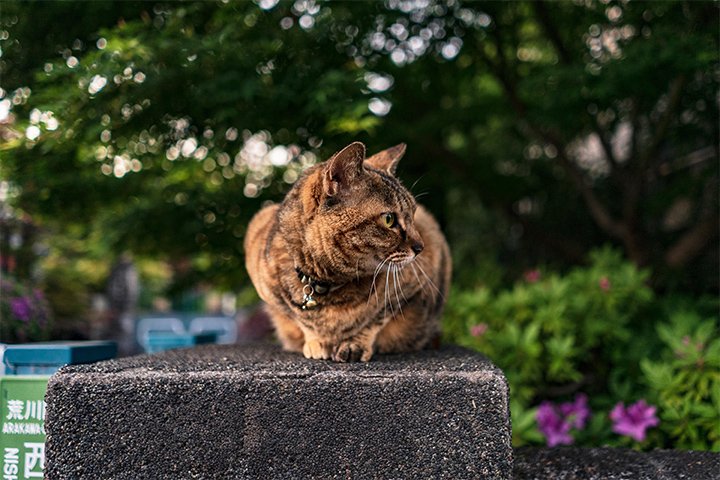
{"points": [[343, 168], [388, 159]]}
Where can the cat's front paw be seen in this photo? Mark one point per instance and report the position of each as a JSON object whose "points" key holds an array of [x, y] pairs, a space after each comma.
{"points": [[352, 351], [315, 349]]}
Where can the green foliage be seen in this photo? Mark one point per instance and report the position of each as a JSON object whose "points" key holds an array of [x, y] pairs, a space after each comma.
{"points": [[492, 105], [155, 276], [68, 295], [524, 426], [474, 231], [598, 329], [153, 131], [247, 298], [685, 381], [556, 330]]}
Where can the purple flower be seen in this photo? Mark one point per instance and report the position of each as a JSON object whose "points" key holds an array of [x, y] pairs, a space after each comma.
{"points": [[21, 308], [577, 412], [633, 420], [555, 428], [604, 284], [555, 421]]}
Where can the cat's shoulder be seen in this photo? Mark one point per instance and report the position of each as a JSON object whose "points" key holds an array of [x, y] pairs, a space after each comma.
{"points": [[423, 217], [266, 214], [260, 224]]}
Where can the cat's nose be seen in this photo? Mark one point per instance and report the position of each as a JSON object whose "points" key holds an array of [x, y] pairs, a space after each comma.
{"points": [[417, 248]]}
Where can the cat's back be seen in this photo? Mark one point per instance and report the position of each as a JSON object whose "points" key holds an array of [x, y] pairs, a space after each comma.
{"points": [[256, 242], [427, 225]]}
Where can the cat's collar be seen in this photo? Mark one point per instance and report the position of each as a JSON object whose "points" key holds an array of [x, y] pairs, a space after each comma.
{"points": [[311, 286]]}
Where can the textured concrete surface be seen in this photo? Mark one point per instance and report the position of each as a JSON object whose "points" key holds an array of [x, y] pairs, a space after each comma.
{"points": [[256, 412], [569, 463]]}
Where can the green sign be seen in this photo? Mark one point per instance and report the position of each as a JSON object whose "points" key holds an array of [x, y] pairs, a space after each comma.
{"points": [[22, 415]]}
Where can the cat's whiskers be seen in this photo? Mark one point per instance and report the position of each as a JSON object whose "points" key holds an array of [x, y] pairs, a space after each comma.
{"points": [[422, 287], [372, 286], [388, 297], [432, 284], [416, 182], [395, 283], [399, 275]]}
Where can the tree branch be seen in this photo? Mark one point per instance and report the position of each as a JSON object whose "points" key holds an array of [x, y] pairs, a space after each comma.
{"points": [[545, 19], [635, 124], [692, 243], [607, 147], [598, 211], [694, 240], [633, 184], [674, 96]]}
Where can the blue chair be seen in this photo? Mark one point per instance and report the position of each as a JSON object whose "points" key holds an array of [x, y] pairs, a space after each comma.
{"points": [[225, 328], [146, 326]]}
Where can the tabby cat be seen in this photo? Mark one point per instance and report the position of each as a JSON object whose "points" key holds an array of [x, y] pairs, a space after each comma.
{"points": [[349, 264]]}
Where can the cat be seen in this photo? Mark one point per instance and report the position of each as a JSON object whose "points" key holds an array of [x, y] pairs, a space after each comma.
{"points": [[349, 264]]}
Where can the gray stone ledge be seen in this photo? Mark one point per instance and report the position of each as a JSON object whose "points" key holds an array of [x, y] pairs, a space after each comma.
{"points": [[569, 463], [257, 412]]}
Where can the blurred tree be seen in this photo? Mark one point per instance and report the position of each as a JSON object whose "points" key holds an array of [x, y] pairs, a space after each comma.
{"points": [[538, 129]]}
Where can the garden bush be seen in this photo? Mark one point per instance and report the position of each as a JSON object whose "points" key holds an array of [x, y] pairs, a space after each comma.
{"points": [[24, 313], [685, 381], [593, 356]]}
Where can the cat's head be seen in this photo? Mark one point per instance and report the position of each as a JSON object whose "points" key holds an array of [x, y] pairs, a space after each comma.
{"points": [[361, 214]]}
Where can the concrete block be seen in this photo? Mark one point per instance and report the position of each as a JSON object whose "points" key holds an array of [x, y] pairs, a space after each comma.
{"points": [[571, 463], [223, 411]]}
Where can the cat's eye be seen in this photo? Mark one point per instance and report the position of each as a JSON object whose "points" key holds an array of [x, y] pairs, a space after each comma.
{"points": [[389, 220]]}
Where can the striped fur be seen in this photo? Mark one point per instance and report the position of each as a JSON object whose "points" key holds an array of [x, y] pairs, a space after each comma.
{"points": [[388, 283]]}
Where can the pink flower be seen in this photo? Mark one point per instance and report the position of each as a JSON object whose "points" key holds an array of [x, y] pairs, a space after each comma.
{"points": [[633, 420], [532, 276], [478, 330], [604, 284], [555, 428]]}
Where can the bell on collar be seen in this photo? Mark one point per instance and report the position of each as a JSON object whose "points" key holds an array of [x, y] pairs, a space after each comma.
{"points": [[308, 301], [321, 289]]}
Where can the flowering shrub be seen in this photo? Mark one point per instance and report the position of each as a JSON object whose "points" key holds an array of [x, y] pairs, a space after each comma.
{"points": [[648, 373], [551, 329], [24, 313]]}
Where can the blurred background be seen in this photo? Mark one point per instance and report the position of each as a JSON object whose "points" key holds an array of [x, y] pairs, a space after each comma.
{"points": [[568, 149]]}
